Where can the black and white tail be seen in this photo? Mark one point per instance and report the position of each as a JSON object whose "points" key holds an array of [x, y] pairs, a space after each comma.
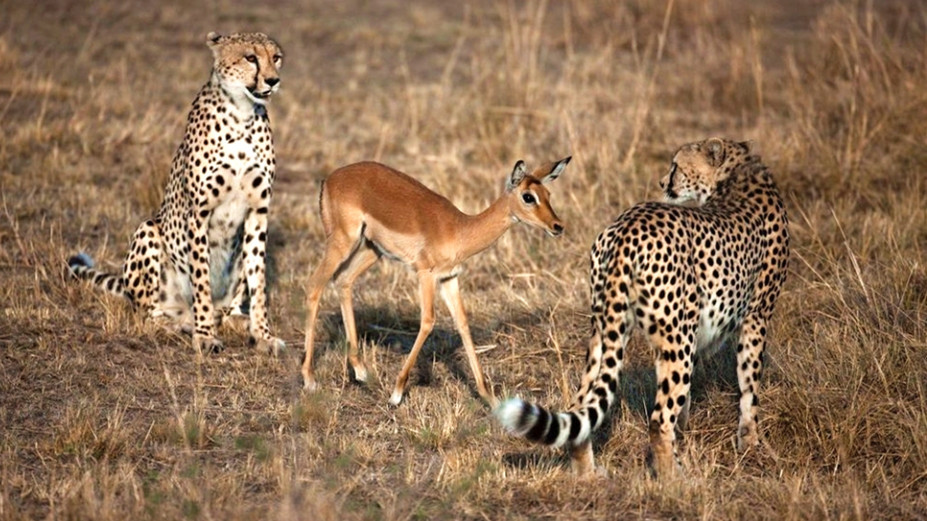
{"points": [[603, 364], [82, 267], [572, 428]]}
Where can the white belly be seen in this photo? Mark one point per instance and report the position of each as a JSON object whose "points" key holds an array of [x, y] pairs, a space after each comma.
{"points": [[710, 329]]}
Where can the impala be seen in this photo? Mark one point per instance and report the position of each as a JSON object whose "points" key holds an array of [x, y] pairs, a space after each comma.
{"points": [[370, 211]]}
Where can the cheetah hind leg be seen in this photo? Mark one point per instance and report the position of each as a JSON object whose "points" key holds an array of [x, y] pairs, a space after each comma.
{"points": [[583, 461], [149, 286], [141, 273]]}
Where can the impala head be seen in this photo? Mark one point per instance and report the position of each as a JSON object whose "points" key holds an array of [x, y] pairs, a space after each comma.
{"points": [[698, 167], [529, 199], [246, 64]]}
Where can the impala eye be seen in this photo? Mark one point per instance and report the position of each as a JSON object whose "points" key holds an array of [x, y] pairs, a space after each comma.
{"points": [[251, 58], [528, 198]]}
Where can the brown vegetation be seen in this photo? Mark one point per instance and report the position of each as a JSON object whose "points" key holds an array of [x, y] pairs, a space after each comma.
{"points": [[107, 416]]}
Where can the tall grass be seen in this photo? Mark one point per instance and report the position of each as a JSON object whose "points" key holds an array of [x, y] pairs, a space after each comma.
{"points": [[109, 416]]}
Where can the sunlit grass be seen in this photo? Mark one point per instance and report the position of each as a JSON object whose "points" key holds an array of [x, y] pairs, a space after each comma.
{"points": [[109, 416]]}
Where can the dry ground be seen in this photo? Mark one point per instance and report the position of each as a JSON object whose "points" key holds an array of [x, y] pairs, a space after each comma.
{"points": [[106, 416]]}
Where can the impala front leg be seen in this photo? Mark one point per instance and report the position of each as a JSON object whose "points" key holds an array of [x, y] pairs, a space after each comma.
{"points": [[254, 250], [450, 292], [426, 281], [204, 323]]}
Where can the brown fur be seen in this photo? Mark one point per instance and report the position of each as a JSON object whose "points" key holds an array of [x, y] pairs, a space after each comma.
{"points": [[370, 210]]}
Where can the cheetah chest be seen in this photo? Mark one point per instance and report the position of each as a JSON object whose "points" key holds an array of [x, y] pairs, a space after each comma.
{"points": [[235, 188]]}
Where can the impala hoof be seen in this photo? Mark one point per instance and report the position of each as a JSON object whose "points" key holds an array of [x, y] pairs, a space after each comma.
{"points": [[360, 373], [396, 398]]}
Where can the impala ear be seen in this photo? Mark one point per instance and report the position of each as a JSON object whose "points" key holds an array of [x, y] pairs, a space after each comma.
{"points": [[556, 170], [518, 173], [714, 148]]}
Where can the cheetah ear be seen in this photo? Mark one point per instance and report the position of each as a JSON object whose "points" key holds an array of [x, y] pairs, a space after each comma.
{"points": [[518, 173], [212, 39], [714, 148]]}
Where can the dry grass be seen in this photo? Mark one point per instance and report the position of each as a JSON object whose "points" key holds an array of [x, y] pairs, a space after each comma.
{"points": [[106, 416]]}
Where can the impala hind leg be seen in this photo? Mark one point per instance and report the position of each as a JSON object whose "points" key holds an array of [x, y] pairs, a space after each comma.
{"points": [[450, 292], [360, 262], [426, 286], [337, 249]]}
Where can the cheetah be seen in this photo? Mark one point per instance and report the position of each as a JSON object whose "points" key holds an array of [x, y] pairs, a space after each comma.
{"points": [[192, 262], [690, 276]]}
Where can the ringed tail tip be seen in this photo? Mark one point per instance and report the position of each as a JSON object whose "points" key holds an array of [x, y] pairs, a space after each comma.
{"points": [[81, 259], [516, 415]]}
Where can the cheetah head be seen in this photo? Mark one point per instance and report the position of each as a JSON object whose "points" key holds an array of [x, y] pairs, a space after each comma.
{"points": [[698, 167], [246, 64]]}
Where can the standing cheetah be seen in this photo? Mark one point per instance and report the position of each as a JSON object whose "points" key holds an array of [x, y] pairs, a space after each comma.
{"points": [[689, 277], [207, 241]]}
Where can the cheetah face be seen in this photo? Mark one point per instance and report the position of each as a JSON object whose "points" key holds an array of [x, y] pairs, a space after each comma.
{"points": [[697, 169], [247, 64]]}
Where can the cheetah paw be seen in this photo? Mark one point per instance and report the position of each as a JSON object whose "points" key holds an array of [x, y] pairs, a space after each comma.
{"points": [[207, 344], [271, 345]]}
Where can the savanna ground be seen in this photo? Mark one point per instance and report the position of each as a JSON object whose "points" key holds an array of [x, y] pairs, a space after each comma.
{"points": [[107, 416]]}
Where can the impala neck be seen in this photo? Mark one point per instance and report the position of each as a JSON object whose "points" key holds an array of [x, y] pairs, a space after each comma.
{"points": [[478, 232]]}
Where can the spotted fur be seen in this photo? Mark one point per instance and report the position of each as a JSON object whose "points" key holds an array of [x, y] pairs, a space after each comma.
{"points": [[689, 277], [193, 262]]}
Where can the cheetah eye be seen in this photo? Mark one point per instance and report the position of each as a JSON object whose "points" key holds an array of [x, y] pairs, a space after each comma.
{"points": [[277, 58], [251, 58], [528, 198]]}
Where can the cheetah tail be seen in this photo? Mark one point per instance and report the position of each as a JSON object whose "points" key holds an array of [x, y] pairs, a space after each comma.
{"points": [[82, 267], [556, 429]]}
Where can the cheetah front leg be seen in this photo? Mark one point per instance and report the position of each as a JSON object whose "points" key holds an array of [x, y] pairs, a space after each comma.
{"points": [[750, 349], [254, 252], [204, 322]]}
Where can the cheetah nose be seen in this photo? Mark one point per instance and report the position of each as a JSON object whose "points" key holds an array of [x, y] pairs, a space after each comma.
{"points": [[271, 81]]}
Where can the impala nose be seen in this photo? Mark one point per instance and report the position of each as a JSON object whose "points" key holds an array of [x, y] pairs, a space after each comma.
{"points": [[557, 229]]}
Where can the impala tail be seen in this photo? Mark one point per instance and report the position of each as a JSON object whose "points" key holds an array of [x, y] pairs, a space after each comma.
{"points": [[82, 267]]}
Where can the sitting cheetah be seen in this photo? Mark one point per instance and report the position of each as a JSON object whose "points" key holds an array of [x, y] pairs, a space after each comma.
{"points": [[689, 277], [207, 241]]}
